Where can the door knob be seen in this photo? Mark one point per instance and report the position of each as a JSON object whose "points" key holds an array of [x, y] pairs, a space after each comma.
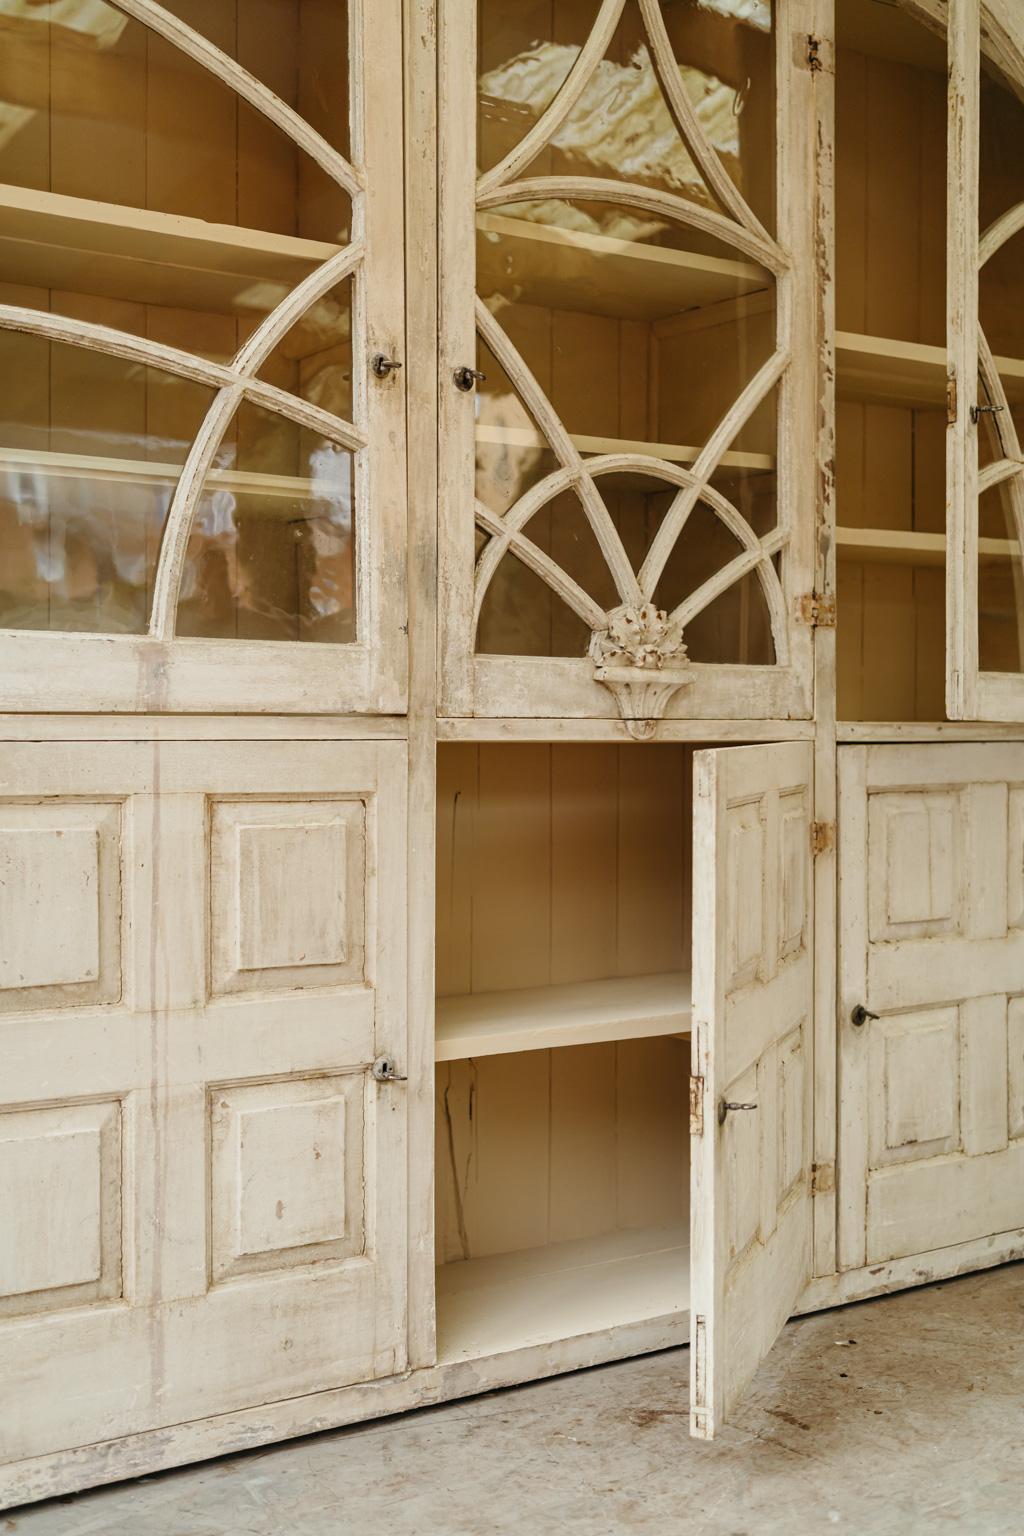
{"points": [[383, 366], [384, 1071], [860, 1015]]}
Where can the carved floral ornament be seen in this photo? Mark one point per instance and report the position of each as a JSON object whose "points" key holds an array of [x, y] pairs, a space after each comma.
{"points": [[642, 659]]}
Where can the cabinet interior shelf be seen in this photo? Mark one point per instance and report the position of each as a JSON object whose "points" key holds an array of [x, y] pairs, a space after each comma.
{"points": [[897, 546], [881, 371], [143, 472], [558, 268], [676, 453], [578, 1013], [77, 245], [510, 1301]]}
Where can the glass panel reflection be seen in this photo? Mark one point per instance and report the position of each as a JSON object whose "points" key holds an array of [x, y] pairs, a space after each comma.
{"points": [[90, 453], [272, 550]]}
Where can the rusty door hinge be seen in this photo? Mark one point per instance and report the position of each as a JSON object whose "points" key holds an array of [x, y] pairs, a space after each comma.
{"points": [[696, 1106], [823, 837], [951, 402], [817, 610], [814, 60], [823, 1178]]}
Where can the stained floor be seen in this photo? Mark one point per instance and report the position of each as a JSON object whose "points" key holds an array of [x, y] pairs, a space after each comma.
{"points": [[899, 1416]]}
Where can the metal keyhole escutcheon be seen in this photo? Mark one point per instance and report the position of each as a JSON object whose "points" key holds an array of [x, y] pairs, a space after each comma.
{"points": [[860, 1015], [383, 366], [465, 378], [725, 1108], [384, 1071]]}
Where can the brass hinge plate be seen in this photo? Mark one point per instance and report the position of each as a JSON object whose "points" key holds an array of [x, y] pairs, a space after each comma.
{"points": [[696, 1106], [823, 1178], [817, 610], [951, 401], [823, 837], [814, 62]]}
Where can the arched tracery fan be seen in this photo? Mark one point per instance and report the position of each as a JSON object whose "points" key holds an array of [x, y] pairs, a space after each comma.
{"points": [[663, 128]]}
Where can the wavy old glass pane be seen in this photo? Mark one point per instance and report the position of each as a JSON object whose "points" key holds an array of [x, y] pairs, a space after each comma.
{"points": [[313, 360], [95, 105], [271, 554], [621, 125], [1000, 580], [1001, 426], [90, 453], [521, 615]]}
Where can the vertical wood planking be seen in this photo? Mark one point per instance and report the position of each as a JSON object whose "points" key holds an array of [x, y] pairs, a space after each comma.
{"points": [[512, 874], [650, 892], [585, 1138], [584, 861]]}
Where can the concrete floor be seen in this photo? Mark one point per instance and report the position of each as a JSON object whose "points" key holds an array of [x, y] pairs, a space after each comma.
{"points": [[898, 1416]]}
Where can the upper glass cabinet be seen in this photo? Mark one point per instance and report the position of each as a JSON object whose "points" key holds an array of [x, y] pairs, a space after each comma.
{"points": [[985, 605], [627, 347], [201, 473]]}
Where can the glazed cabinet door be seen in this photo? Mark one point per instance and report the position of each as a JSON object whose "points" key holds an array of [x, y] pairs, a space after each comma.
{"points": [[201, 291], [751, 1094], [985, 458], [931, 1013], [202, 1182], [627, 359]]}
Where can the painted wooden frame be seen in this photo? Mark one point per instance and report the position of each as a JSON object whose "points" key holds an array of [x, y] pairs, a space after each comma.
{"points": [[163, 671], [566, 687]]}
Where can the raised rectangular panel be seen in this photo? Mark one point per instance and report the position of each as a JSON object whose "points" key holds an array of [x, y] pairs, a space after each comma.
{"points": [[745, 852], [286, 1173], [915, 865], [793, 874], [914, 1086], [1015, 1074], [60, 1207], [288, 895], [60, 905], [1015, 858]]}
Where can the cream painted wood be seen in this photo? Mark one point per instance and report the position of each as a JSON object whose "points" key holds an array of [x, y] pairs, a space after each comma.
{"points": [[932, 940], [169, 256], [751, 1230], [566, 686], [202, 1187]]}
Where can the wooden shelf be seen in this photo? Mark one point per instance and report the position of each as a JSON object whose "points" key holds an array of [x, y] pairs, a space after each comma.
{"points": [[540, 1018], [541, 1295], [885, 372], [74, 244], [676, 453], [142, 472], [893, 546], [569, 269]]}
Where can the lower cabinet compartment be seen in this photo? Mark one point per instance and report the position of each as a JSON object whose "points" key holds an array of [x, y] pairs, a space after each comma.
{"points": [[562, 1041], [562, 1194]]}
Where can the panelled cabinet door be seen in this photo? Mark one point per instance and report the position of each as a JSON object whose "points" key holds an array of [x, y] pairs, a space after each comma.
{"points": [[201, 291], [985, 457], [751, 1226], [931, 1016], [202, 1185], [627, 360]]}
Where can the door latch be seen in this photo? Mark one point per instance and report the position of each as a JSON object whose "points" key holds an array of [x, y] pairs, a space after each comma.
{"points": [[725, 1108], [860, 1015], [383, 366], [984, 410], [465, 378], [384, 1071]]}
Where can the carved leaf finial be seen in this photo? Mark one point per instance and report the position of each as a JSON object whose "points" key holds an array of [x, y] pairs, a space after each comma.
{"points": [[641, 657]]}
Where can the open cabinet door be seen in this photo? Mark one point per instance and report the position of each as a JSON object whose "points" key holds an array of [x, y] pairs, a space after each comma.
{"points": [[751, 1091]]}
